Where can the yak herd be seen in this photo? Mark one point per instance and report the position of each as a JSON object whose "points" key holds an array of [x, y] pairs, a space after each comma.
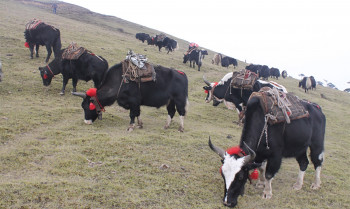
{"points": [[302, 126]]}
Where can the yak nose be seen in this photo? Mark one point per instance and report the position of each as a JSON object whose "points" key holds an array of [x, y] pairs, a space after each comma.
{"points": [[89, 122]]}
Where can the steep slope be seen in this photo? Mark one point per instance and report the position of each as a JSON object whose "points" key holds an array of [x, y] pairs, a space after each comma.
{"points": [[50, 159]]}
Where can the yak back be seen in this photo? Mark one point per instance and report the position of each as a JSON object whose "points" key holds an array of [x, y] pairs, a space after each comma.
{"points": [[31, 25], [281, 107], [134, 73], [73, 52], [244, 79]]}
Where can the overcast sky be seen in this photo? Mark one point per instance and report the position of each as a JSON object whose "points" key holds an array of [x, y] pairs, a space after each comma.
{"points": [[300, 36]]}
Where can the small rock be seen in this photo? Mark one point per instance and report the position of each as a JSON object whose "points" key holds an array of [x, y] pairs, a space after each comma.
{"points": [[164, 166]]}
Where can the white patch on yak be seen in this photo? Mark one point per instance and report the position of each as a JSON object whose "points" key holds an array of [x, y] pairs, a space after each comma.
{"points": [[230, 168], [229, 105], [89, 122], [225, 78], [321, 156]]}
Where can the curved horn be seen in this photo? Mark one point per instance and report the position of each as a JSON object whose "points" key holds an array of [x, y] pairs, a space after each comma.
{"points": [[206, 81], [218, 150], [79, 94], [251, 155]]}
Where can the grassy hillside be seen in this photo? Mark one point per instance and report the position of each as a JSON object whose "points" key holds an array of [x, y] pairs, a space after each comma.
{"points": [[50, 159]]}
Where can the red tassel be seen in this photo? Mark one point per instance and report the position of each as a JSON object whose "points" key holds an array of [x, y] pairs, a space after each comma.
{"points": [[288, 113], [254, 175], [206, 91], [26, 44], [91, 92], [45, 76], [92, 106], [234, 150]]}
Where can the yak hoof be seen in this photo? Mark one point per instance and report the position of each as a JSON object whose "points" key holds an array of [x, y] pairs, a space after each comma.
{"points": [[181, 129], [267, 195], [297, 186], [131, 127], [62, 93], [166, 126], [315, 186]]}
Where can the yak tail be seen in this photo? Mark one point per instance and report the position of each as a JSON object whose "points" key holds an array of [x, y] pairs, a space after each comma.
{"points": [[57, 44]]}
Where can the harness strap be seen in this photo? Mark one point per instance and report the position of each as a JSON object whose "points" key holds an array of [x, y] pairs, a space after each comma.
{"points": [[267, 117], [48, 67]]}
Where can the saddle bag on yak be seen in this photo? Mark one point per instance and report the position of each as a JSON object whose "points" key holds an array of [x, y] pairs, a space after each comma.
{"points": [[244, 80], [31, 25], [73, 52], [136, 68], [279, 106]]}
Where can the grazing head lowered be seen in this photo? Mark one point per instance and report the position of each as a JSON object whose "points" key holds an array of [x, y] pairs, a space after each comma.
{"points": [[235, 171]]}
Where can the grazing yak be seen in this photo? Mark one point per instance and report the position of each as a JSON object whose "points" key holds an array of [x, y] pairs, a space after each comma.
{"points": [[170, 88], [166, 42], [222, 91], [306, 83], [216, 59], [87, 66], [38, 33], [284, 74], [262, 70], [269, 143], [275, 72], [226, 61], [195, 56], [142, 36]]}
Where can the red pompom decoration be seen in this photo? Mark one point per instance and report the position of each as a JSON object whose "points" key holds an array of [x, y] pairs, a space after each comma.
{"points": [[26, 44], [91, 92], [254, 175], [234, 150], [288, 113], [206, 91], [45, 76], [92, 106]]}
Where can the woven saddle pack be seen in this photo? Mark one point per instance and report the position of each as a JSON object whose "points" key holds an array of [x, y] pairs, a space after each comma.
{"points": [[244, 80], [73, 52], [136, 68], [283, 107], [31, 25]]}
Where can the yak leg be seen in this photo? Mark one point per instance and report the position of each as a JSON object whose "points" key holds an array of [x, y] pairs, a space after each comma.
{"points": [[49, 52], [317, 183], [272, 166], [139, 122], [75, 83], [317, 156], [262, 179], [303, 163], [31, 49], [65, 81], [134, 112], [268, 189], [181, 109], [171, 112], [37, 50]]}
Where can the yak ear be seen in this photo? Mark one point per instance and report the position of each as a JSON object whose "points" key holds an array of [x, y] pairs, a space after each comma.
{"points": [[41, 69], [254, 165]]}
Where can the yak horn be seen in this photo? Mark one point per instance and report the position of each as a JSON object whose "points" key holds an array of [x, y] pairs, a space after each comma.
{"points": [[79, 94], [218, 150], [206, 81], [249, 158]]}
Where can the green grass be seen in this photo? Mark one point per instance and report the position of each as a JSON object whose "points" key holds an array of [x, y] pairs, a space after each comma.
{"points": [[50, 159]]}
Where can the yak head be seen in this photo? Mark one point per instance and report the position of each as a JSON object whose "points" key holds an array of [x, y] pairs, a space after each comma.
{"points": [[186, 57], [209, 90], [91, 106], [235, 171], [46, 75]]}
